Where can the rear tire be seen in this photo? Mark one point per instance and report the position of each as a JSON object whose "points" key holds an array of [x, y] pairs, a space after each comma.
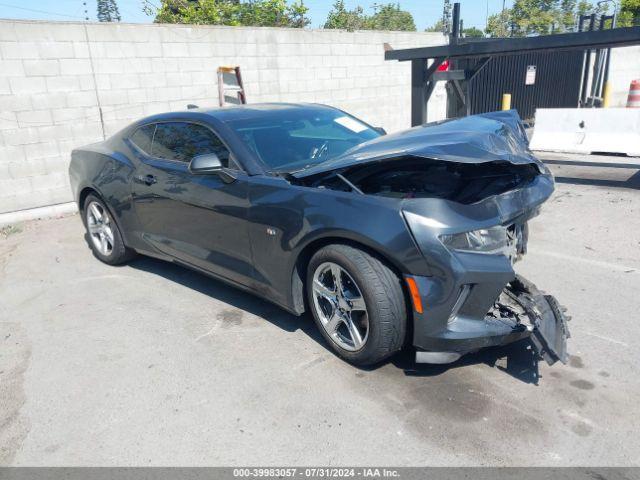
{"points": [[103, 234], [363, 315]]}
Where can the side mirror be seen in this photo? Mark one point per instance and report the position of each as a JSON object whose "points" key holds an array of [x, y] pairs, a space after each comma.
{"points": [[205, 164], [380, 130]]}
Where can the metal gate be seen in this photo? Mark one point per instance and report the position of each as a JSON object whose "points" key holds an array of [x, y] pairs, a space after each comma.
{"points": [[534, 80]]}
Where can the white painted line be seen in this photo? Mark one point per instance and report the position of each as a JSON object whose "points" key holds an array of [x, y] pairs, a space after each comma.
{"points": [[595, 263], [208, 334], [607, 339]]}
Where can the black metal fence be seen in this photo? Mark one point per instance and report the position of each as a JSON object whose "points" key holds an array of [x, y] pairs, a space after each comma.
{"points": [[534, 80]]}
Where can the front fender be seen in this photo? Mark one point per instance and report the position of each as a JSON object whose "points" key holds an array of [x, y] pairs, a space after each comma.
{"points": [[286, 220], [398, 251]]}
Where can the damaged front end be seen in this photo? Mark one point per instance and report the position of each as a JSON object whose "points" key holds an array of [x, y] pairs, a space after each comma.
{"points": [[416, 177], [473, 298], [466, 191], [522, 306]]}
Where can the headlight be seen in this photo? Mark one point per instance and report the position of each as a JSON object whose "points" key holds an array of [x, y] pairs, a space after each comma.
{"points": [[485, 240]]}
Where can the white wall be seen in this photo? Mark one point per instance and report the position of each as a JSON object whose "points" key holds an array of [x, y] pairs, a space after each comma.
{"points": [[55, 77], [625, 66]]}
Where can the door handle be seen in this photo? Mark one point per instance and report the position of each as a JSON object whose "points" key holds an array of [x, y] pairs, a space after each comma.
{"points": [[146, 179]]}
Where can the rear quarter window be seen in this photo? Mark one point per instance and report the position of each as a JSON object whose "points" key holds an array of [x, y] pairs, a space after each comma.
{"points": [[143, 137]]}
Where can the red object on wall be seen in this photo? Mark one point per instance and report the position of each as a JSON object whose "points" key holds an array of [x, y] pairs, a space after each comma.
{"points": [[444, 66]]}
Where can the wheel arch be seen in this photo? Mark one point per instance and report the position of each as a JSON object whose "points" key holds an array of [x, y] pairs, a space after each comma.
{"points": [[82, 197], [299, 271], [84, 193]]}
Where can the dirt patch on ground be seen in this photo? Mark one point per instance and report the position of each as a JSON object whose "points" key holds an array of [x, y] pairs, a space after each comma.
{"points": [[9, 230]]}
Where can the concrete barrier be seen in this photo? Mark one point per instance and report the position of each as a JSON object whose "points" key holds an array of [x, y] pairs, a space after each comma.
{"points": [[587, 130]]}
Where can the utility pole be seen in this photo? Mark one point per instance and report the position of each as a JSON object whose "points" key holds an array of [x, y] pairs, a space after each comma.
{"points": [[446, 18], [486, 18]]}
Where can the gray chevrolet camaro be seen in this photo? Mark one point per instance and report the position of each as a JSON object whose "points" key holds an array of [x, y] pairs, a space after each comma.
{"points": [[389, 240]]}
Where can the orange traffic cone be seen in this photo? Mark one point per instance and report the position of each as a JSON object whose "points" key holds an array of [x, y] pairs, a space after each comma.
{"points": [[633, 101]]}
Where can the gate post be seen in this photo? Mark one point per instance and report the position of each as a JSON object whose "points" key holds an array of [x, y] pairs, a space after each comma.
{"points": [[418, 92]]}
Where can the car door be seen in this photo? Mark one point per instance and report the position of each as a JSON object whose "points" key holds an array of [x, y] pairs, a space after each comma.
{"points": [[198, 219]]}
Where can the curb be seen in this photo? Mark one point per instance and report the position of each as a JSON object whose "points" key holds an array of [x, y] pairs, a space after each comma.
{"points": [[35, 213]]}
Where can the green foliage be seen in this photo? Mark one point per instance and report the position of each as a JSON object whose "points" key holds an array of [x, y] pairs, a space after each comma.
{"points": [[473, 32], [584, 8], [108, 11], [436, 27], [9, 230], [390, 17], [341, 18], [541, 17], [629, 13], [567, 14], [533, 16], [499, 24], [259, 13], [386, 17]]}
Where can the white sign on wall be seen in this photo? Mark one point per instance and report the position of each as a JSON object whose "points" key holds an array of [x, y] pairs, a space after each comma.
{"points": [[530, 79]]}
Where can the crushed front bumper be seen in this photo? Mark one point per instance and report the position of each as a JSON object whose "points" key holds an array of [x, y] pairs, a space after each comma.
{"points": [[523, 302], [465, 323]]}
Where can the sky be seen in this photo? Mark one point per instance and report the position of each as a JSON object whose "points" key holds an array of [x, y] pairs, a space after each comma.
{"points": [[425, 12]]}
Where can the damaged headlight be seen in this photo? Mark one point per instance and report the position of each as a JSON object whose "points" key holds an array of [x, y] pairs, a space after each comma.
{"points": [[486, 240]]}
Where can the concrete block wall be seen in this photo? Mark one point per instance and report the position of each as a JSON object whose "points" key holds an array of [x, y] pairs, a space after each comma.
{"points": [[58, 79]]}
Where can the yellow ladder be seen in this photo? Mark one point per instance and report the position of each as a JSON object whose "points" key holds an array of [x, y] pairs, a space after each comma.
{"points": [[230, 86]]}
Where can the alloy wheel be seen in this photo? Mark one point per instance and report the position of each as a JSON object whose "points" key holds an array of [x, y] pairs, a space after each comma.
{"points": [[99, 227], [340, 306]]}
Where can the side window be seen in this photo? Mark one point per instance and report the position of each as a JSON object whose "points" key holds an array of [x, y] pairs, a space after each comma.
{"points": [[142, 138], [181, 142]]}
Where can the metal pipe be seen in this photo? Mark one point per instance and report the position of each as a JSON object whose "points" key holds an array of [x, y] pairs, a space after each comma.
{"points": [[607, 90], [587, 64], [620, 37]]}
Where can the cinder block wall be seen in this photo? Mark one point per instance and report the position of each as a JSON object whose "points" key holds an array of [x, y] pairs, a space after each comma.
{"points": [[58, 79]]}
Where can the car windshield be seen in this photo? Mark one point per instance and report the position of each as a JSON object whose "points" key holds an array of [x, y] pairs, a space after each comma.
{"points": [[290, 139]]}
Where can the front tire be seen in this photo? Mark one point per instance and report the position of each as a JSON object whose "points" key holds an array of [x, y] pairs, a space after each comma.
{"points": [[103, 235], [358, 304]]}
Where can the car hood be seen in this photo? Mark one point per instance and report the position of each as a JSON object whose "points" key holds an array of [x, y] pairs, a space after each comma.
{"points": [[488, 137]]}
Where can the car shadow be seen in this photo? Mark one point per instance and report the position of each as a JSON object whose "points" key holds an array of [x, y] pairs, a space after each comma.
{"points": [[588, 174], [632, 183], [233, 296], [517, 360]]}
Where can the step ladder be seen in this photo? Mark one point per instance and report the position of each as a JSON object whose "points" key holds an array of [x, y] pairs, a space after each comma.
{"points": [[230, 87]]}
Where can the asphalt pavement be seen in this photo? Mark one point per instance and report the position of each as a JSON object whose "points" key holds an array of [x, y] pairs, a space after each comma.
{"points": [[152, 364]]}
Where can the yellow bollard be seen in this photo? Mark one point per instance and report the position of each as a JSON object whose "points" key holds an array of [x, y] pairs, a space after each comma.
{"points": [[606, 95], [506, 101]]}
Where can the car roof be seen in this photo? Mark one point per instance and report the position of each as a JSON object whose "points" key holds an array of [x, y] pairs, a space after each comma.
{"points": [[255, 110], [220, 116]]}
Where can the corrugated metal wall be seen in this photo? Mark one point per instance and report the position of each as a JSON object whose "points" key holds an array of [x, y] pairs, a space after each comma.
{"points": [[557, 84]]}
